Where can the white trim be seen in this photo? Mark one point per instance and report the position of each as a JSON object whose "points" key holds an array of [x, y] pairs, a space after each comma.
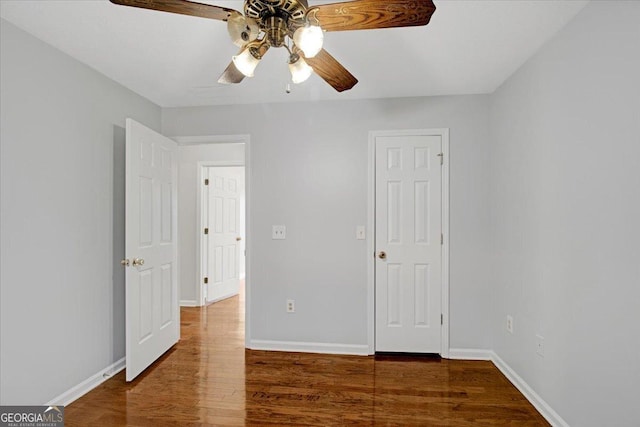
{"points": [[371, 247], [223, 297], [538, 402], [470, 354], [189, 303], [443, 133], [309, 347], [534, 398], [248, 242], [211, 139], [200, 216], [444, 306], [87, 385]]}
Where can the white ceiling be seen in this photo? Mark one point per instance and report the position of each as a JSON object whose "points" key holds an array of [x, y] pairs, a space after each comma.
{"points": [[470, 47]]}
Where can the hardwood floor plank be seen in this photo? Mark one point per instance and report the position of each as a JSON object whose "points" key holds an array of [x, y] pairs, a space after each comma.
{"points": [[209, 379]]}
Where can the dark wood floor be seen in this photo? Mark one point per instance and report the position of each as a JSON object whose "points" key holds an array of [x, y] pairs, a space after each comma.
{"points": [[208, 378]]}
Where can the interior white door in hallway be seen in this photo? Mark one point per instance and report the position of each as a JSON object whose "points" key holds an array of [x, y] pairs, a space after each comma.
{"points": [[223, 231], [408, 242], [152, 306]]}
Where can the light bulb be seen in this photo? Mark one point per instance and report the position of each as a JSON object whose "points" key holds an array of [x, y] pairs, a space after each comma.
{"points": [[246, 63], [309, 40], [300, 70]]}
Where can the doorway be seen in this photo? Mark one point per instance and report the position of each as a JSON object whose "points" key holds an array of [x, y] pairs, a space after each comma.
{"points": [[408, 268], [196, 152]]}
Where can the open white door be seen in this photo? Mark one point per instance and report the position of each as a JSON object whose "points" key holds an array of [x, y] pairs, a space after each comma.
{"points": [[408, 221], [222, 232], [152, 307]]}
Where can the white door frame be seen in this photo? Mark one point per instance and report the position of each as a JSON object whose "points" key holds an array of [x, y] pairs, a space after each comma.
{"points": [[226, 139], [200, 217], [371, 209]]}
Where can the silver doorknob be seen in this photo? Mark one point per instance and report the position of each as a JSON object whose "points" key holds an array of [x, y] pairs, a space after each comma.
{"points": [[125, 262], [137, 261], [382, 255]]}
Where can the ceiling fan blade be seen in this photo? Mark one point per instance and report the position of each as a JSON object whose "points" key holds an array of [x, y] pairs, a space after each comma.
{"points": [[231, 75], [372, 14], [327, 67], [182, 7]]}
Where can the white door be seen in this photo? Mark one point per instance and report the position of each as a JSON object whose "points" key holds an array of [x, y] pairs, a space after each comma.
{"points": [[223, 232], [408, 218], [152, 311]]}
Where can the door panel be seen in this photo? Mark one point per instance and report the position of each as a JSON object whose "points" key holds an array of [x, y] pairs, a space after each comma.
{"points": [[222, 244], [408, 228], [152, 315]]}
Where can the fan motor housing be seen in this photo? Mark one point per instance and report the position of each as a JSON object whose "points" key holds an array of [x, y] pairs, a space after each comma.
{"points": [[288, 11]]}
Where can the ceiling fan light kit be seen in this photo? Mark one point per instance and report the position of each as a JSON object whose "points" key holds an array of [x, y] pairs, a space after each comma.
{"points": [[294, 25]]}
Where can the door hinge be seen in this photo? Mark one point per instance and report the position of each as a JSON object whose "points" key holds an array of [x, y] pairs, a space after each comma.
{"points": [[206, 280], [442, 319], [206, 231], [206, 181], [442, 238], [441, 155]]}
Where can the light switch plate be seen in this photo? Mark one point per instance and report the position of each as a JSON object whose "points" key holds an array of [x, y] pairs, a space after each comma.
{"points": [[279, 232], [361, 233]]}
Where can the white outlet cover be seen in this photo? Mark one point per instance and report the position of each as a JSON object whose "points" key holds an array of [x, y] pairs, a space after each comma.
{"points": [[361, 233], [540, 345], [279, 232], [510, 324]]}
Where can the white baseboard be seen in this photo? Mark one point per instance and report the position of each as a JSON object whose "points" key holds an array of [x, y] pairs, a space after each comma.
{"points": [[329, 348], [189, 303], [87, 385], [310, 347], [223, 297], [470, 354], [543, 407]]}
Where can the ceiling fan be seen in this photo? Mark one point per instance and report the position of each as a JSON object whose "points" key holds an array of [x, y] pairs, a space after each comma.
{"points": [[294, 25]]}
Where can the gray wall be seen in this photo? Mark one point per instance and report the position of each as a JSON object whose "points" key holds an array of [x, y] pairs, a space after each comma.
{"points": [[188, 225], [62, 293], [309, 172], [565, 205], [545, 201]]}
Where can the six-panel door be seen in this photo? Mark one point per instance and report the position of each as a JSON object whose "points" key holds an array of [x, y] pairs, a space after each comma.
{"points": [[408, 243], [152, 307]]}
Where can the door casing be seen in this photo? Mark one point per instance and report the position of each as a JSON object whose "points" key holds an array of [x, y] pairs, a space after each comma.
{"points": [[371, 308]]}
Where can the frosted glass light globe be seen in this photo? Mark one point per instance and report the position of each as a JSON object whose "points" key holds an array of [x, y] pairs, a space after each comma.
{"points": [[300, 71], [309, 40], [246, 63]]}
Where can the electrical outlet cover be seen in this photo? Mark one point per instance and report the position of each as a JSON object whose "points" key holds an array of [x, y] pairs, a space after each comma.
{"points": [[540, 345], [279, 232]]}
